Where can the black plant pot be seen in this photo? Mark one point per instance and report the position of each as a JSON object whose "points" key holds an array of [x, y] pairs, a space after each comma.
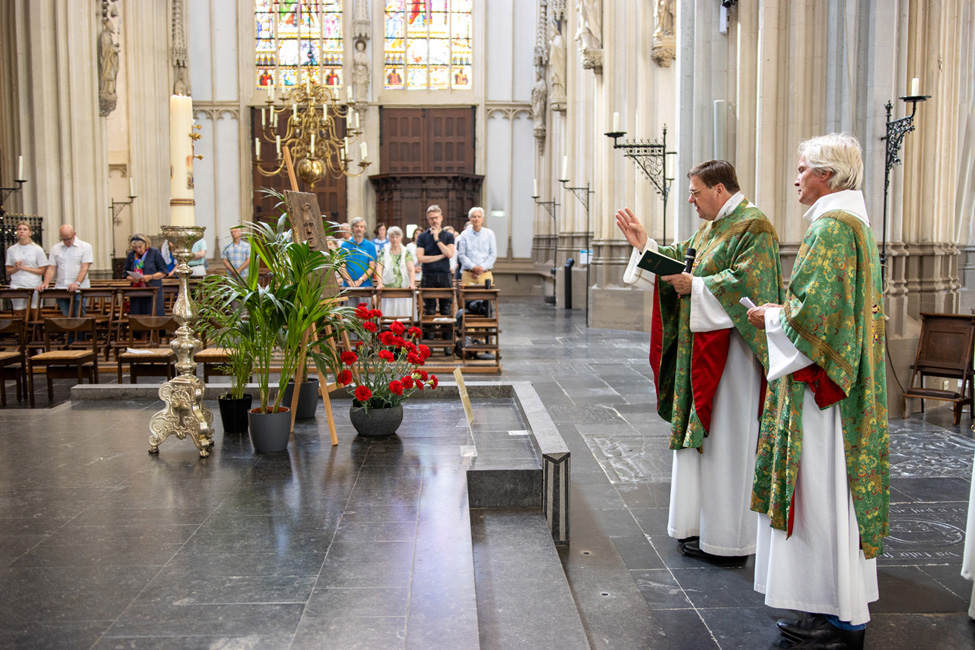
{"points": [[233, 413], [376, 423], [307, 398], [270, 432]]}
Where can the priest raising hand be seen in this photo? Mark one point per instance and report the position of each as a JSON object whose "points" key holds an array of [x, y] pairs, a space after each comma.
{"points": [[708, 360]]}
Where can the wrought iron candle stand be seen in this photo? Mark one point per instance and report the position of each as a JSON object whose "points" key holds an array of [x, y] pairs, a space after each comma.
{"points": [[583, 193], [184, 413], [651, 157], [5, 193], [896, 130], [116, 210]]}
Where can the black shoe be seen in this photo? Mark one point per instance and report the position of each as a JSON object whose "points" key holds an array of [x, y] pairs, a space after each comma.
{"points": [[692, 548], [684, 540], [817, 632]]}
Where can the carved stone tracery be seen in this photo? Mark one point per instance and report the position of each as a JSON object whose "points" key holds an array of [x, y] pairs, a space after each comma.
{"points": [[178, 52]]}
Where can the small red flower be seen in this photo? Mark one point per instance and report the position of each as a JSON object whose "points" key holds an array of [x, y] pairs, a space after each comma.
{"points": [[410, 347], [344, 377], [424, 352], [349, 357], [361, 311], [397, 327], [415, 332], [362, 394], [369, 326], [387, 355], [423, 374], [375, 313], [433, 381], [414, 358], [419, 384], [399, 342], [395, 387], [407, 382], [387, 338]]}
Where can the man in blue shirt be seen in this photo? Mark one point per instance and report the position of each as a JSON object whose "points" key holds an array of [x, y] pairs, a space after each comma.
{"points": [[360, 261], [434, 248], [477, 249]]}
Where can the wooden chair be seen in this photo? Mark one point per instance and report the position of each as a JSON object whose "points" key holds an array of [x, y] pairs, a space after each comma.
{"points": [[13, 356], [438, 331], [125, 295], [945, 350], [46, 308], [406, 294], [102, 304], [152, 359], [61, 361], [7, 296], [211, 359], [484, 327]]}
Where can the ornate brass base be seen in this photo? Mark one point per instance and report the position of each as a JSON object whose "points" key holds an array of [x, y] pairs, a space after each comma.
{"points": [[184, 414]]}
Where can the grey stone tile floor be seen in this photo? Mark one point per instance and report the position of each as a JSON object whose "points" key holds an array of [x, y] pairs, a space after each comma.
{"points": [[104, 546]]}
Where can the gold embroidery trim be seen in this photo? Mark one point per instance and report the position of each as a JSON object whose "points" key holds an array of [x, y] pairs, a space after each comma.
{"points": [[753, 226]]}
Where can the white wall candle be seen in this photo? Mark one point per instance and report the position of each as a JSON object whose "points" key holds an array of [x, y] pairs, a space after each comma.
{"points": [[277, 145], [364, 150], [356, 121], [565, 168], [348, 94], [20, 168], [616, 122], [263, 118], [257, 148], [534, 187], [131, 186], [274, 119], [181, 159], [271, 95], [915, 87], [311, 147]]}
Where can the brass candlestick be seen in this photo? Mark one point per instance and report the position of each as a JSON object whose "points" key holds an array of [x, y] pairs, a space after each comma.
{"points": [[184, 413]]}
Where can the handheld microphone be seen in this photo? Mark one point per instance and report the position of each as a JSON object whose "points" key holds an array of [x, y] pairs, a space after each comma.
{"points": [[689, 257]]}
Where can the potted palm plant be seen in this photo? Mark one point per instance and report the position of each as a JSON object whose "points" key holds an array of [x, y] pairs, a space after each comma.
{"points": [[287, 307]]}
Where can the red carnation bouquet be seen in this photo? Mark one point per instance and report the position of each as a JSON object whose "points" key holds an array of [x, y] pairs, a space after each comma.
{"points": [[385, 366]]}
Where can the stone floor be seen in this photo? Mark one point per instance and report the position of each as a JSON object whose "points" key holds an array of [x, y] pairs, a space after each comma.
{"points": [[357, 546]]}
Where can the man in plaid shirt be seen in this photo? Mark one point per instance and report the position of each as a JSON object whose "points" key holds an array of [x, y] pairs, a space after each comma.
{"points": [[236, 254]]}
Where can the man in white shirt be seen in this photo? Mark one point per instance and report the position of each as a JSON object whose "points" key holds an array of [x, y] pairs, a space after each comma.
{"points": [[477, 250], [68, 266]]}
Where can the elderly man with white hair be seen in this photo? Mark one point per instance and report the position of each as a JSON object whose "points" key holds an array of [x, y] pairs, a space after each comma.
{"points": [[477, 250], [822, 477]]}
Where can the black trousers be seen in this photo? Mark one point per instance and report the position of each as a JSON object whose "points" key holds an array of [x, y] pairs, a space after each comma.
{"points": [[436, 281]]}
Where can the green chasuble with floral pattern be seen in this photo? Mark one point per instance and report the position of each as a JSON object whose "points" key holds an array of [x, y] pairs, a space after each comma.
{"points": [[737, 257], [834, 315]]}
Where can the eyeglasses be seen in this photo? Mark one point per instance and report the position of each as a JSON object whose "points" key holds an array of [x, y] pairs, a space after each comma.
{"points": [[694, 193]]}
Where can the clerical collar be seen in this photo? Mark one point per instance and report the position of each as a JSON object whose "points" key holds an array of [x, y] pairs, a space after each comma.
{"points": [[846, 200], [730, 205]]}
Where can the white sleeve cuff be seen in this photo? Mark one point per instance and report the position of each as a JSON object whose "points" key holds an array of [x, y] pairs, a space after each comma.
{"points": [[633, 273], [783, 356], [707, 314]]}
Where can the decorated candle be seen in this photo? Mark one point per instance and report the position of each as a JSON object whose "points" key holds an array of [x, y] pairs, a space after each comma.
{"points": [[181, 211]]}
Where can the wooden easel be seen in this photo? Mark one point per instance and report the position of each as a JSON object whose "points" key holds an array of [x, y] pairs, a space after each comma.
{"points": [[323, 386]]}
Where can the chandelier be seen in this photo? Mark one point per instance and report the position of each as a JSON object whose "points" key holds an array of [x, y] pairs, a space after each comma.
{"points": [[319, 133]]}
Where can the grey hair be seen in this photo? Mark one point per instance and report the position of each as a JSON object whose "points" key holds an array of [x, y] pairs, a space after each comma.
{"points": [[394, 230], [356, 220], [839, 153], [434, 208], [139, 237], [470, 213]]}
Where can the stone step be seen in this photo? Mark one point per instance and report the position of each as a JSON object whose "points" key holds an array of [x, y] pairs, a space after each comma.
{"points": [[523, 596]]}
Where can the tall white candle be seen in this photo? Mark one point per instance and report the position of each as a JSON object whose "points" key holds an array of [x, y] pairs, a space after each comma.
{"points": [[274, 119], [181, 160], [311, 147], [257, 148], [348, 94], [915, 87], [131, 186], [277, 145], [356, 121], [263, 118], [616, 122], [294, 112], [534, 187], [565, 169], [271, 94], [20, 168], [364, 151]]}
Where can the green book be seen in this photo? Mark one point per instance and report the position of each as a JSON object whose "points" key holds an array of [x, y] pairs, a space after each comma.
{"points": [[660, 264]]}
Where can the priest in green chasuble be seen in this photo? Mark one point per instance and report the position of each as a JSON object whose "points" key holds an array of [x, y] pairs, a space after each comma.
{"points": [[821, 479], [709, 361]]}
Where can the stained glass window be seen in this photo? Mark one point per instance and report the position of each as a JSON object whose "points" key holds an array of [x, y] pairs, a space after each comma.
{"points": [[428, 44], [297, 40]]}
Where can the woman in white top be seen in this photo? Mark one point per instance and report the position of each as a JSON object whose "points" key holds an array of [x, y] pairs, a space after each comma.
{"points": [[396, 271], [26, 263]]}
